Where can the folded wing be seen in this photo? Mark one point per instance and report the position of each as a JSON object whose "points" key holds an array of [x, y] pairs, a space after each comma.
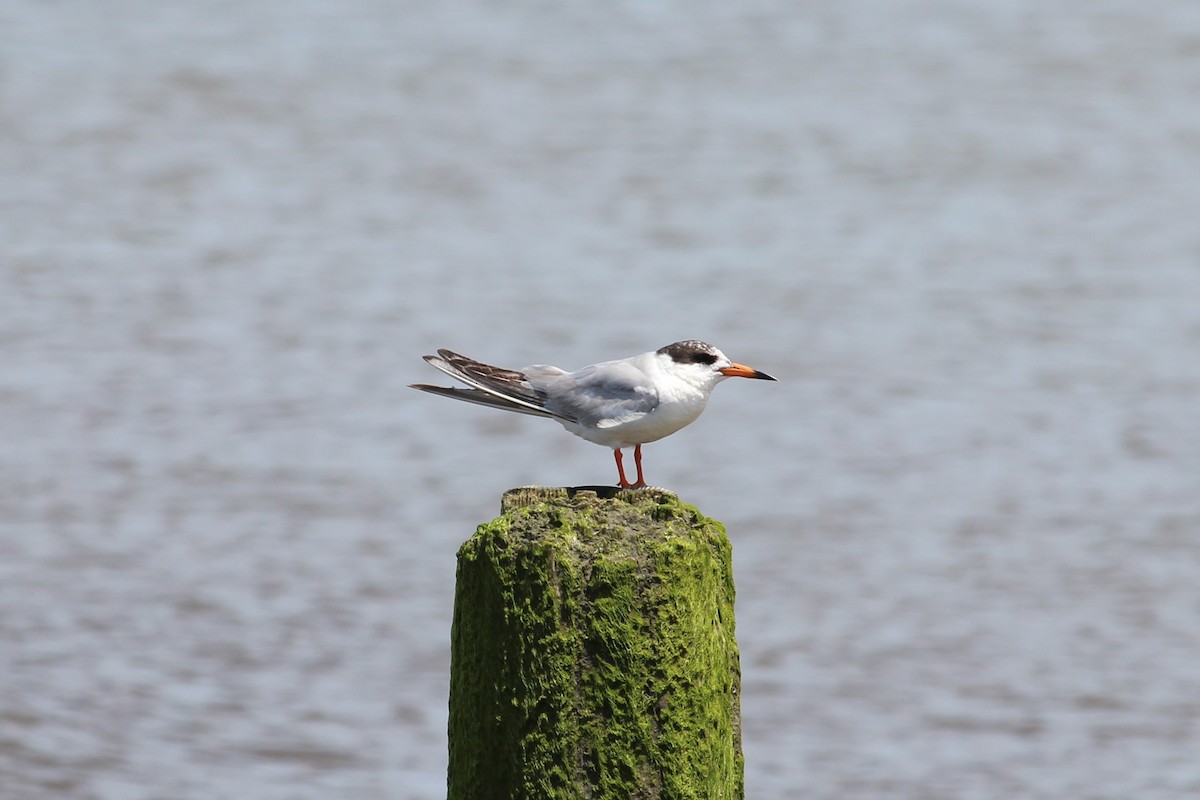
{"points": [[480, 397], [600, 396]]}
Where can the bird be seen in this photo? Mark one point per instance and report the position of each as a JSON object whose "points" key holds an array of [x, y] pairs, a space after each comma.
{"points": [[619, 404]]}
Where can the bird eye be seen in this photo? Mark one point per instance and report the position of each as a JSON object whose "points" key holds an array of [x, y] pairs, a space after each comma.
{"points": [[705, 358]]}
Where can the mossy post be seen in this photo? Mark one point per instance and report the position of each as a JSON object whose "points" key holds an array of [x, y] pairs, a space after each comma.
{"points": [[593, 652]]}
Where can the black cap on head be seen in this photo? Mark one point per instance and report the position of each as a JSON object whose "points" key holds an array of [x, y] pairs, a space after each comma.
{"points": [[690, 351]]}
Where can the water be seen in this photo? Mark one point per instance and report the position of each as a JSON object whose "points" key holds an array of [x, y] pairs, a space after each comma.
{"points": [[963, 236]]}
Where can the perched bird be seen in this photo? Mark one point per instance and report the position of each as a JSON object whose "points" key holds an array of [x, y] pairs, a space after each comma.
{"points": [[618, 404]]}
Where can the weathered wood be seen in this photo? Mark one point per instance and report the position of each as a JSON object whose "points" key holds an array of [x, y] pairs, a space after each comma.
{"points": [[593, 651]]}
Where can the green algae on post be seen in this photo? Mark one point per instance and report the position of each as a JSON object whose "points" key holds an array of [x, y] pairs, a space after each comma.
{"points": [[593, 652]]}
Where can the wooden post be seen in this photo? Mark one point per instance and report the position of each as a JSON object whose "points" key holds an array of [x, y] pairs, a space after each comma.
{"points": [[593, 652]]}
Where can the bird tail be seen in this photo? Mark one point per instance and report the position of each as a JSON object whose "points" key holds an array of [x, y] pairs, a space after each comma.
{"points": [[490, 386]]}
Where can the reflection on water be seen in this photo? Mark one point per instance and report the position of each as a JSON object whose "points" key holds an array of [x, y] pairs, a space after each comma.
{"points": [[964, 521]]}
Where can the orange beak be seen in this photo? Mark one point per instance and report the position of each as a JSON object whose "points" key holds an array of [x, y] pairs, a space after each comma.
{"points": [[742, 371]]}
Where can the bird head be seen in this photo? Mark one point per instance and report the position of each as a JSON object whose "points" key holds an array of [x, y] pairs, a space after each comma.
{"points": [[708, 364]]}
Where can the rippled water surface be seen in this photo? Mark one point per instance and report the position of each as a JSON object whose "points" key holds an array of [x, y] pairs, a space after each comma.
{"points": [[966, 521]]}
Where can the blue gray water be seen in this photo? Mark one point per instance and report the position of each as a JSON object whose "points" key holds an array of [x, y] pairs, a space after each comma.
{"points": [[966, 521]]}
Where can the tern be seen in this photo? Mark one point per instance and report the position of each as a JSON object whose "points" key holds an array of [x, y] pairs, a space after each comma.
{"points": [[624, 403]]}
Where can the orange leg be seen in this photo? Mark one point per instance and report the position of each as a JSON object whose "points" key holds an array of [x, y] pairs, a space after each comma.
{"points": [[637, 460], [624, 482]]}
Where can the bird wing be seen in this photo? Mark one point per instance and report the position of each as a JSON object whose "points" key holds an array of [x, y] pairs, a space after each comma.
{"points": [[480, 397], [511, 388], [601, 395]]}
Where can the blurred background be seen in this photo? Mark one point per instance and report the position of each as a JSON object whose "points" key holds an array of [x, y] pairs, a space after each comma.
{"points": [[966, 521]]}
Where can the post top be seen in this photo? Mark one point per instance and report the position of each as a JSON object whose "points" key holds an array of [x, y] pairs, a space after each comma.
{"points": [[531, 495]]}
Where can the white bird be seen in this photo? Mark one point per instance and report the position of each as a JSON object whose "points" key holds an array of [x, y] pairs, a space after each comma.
{"points": [[618, 404]]}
